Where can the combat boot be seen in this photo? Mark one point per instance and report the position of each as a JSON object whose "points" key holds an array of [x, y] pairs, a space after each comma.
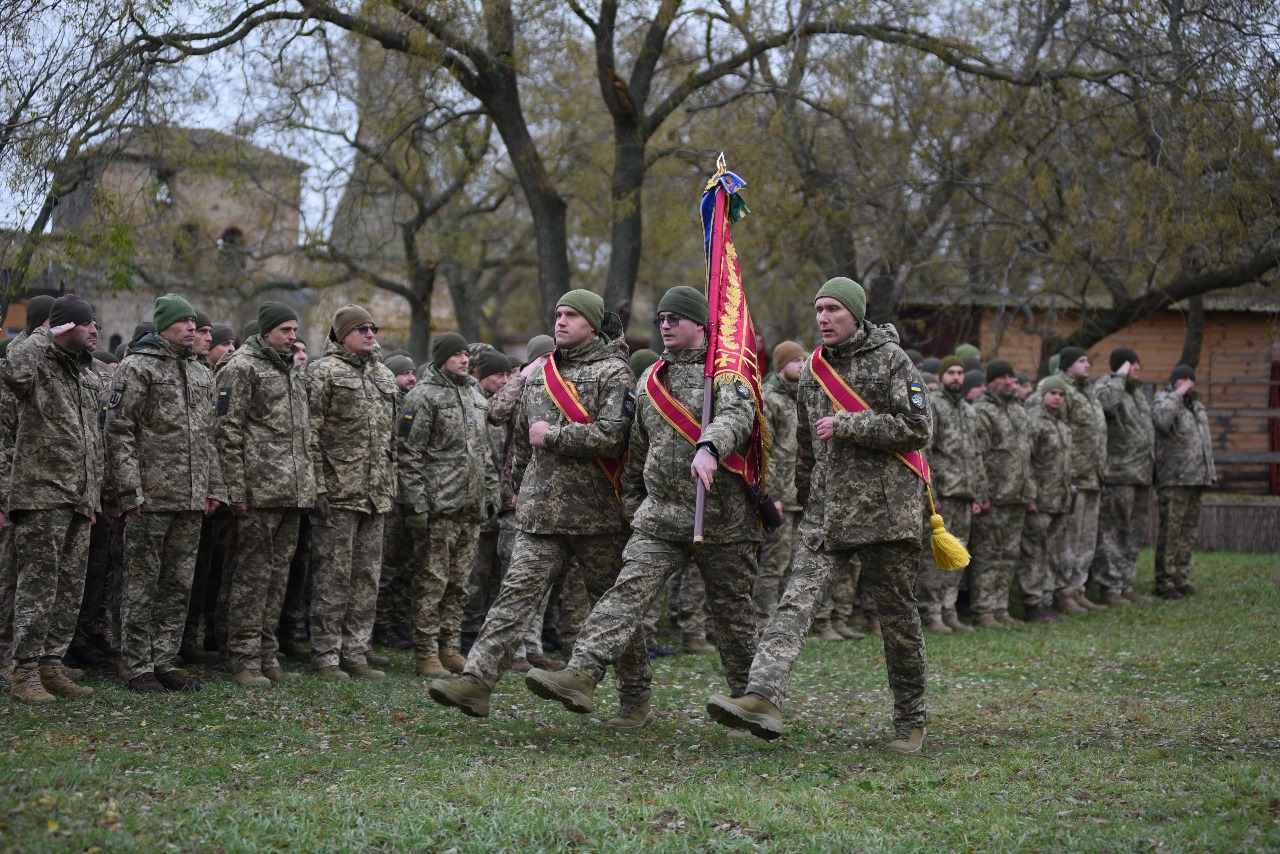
{"points": [[845, 632], [333, 673], [56, 681], [428, 664], [276, 675], [989, 622], [953, 623], [6, 673], [452, 659], [192, 654], [146, 683], [539, 660], [178, 680], [936, 626], [906, 740], [374, 660], [1078, 596], [1169, 593], [1112, 598], [467, 693], [697, 646], [1135, 597], [1007, 618], [1186, 588], [28, 687], [362, 671], [84, 656], [69, 668], [1066, 604], [520, 664], [571, 688], [824, 631], [750, 712], [249, 679], [632, 718], [1040, 614]]}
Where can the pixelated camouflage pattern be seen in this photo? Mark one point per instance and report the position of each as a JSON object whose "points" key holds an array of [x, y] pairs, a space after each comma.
{"points": [[265, 542], [1051, 461], [955, 457], [1184, 445], [854, 490], [1088, 423], [1039, 556], [774, 564], [1004, 439], [995, 538], [52, 548], [1122, 524], [346, 561], [262, 429], [159, 563], [1131, 435], [443, 559], [938, 589], [504, 410], [1179, 508], [351, 437], [781, 409]]}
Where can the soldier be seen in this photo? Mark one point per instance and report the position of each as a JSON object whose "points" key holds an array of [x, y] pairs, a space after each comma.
{"points": [[1126, 486], [394, 616], [402, 369], [860, 404], [996, 532], [203, 341], [1184, 469], [959, 482], [658, 492], [448, 486], [1088, 425], [163, 476], [1044, 527], [780, 408], [268, 477], [975, 385], [222, 340], [58, 459], [351, 420], [574, 417]]}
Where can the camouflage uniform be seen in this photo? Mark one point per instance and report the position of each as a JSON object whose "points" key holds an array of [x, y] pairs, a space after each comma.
{"points": [[1184, 468], [395, 599], [778, 547], [58, 460], [1042, 531], [1088, 425], [860, 503], [959, 480], [8, 560], [567, 509], [160, 459], [352, 418], [445, 469], [995, 536], [1126, 485], [687, 602], [261, 437]]}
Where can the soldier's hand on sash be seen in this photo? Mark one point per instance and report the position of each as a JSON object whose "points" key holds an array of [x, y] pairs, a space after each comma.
{"points": [[537, 431], [826, 427], [704, 467]]}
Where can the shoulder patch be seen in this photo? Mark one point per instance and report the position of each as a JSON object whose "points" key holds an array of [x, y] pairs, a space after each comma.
{"points": [[629, 405], [224, 400], [741, 388], [116, 397], [268, 375], [916, 392], [406, 423]]}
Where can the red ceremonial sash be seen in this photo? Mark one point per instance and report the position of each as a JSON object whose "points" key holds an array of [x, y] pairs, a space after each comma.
{"points": [[845, 399], [565, 396], [679, 417]]}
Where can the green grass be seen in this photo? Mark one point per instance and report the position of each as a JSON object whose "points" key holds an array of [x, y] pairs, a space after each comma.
{"points": [[1154, 728]]}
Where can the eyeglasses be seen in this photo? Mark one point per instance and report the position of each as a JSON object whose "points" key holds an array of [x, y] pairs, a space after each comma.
{"points": [[367, 329], [671, 320]]}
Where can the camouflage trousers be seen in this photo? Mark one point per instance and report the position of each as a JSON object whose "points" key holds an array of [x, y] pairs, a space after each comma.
{"points": [[995, 539], [159, 562], [484, 582], [888, 574], [1081, 540], [728, 570], [395, 583], [8, 585], [570, 604], [52, 549], [936, 589], [687, 602], [297, 589], [1179, 525], [843, 594], [536, 561], [266, 540], [346, 559], [443, 558], [775, 562], [1122, 523], [99, 618], [1039, 556], [210, 557]]}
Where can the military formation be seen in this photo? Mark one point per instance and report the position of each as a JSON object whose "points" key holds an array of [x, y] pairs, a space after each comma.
{"points": [[207, 497]]}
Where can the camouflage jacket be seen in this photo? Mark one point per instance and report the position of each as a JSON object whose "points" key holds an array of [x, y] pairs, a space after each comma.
{"points": [[351, 414], [160, 421], [955, 458], [1004, 441], [57, 448], [444, 464], [854, 490], [504, 414], [658, 489], [780, 409], [261, 433], [1131, 436], [1184, 446], [563, 490], [1088, 433], [1051, 462]]}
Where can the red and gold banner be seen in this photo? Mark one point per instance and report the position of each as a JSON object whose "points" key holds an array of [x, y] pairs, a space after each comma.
{"points": [[565, 396]]}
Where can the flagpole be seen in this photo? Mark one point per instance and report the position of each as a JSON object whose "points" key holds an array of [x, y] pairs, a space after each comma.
{"points": [[700, 502]]}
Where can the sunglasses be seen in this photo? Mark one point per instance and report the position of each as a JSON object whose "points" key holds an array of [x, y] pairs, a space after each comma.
{"points": [[367, 329]]}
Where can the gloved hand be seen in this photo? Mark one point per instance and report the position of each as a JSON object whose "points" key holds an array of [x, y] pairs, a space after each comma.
{"points": [[320, 510], [417, 521]]}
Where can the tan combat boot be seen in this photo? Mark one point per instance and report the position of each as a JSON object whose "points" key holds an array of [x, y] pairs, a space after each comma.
{"points": [[333, 673], [845, 632], [1135, 597], [1066, 603], [1113, 598], [571, 688], [631, 718], [989, 622], [936, 626], [1078, 596], [907, 740], [362, 671], [750, 712], [249, 679], [953, 623], [56, 681], [27, 686], [453, 659], [466, 693], [428, 665], [823, 631], [697, 646]]}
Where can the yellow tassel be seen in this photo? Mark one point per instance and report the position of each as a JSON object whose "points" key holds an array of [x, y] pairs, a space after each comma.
{"points": [[948, 552]]}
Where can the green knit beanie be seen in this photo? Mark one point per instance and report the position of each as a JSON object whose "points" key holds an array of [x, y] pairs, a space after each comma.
{"points": [[686, 302], [949, 362], [445, 346], [38, 308], [169, 309], [490, 362], [587, 304], [642, 359], [271, 314], [1120, 355], [398, 364], [966, 351], [848, 292], [1052, 381]]}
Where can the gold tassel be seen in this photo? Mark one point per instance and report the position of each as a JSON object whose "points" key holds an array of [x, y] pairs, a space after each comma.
{"points": [[948, 552]]}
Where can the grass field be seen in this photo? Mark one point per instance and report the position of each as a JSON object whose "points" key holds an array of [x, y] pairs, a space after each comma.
{"points": [[1152, 728]]}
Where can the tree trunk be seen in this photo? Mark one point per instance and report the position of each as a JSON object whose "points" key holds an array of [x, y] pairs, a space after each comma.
{"points": [[420, 329], [1195, 332], [628, 222]]}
